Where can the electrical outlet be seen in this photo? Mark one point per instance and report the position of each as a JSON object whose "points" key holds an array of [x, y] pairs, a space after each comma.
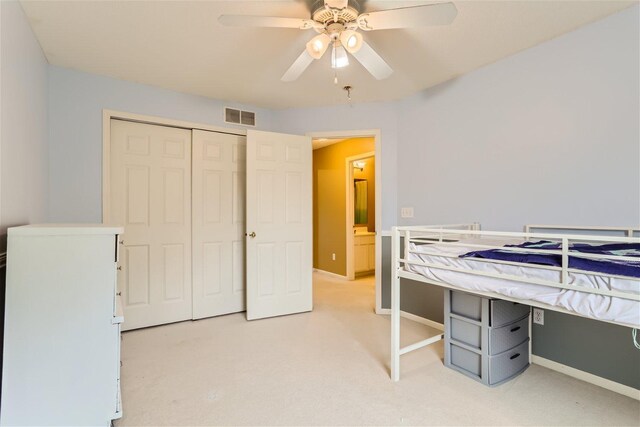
{"points": [[406, 212], [333, 257], [538, 316]]}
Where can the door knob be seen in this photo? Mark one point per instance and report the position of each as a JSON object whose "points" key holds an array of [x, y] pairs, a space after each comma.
{"points": [[252, 234]]}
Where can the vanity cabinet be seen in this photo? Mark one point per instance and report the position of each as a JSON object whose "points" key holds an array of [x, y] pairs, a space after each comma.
{"points": [[62, 326], [364, 252]]}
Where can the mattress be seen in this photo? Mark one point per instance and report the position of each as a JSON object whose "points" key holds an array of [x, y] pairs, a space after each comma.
{"points": [[600, 307]]}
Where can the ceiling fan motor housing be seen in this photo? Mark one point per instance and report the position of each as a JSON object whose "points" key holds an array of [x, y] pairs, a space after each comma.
{"points": [[324, 15]]}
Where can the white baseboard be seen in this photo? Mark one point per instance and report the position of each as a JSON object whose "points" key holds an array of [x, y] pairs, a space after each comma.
{"points": [[587, 377], [330, 274], [415, 318], [423, 320], [550, 364]]}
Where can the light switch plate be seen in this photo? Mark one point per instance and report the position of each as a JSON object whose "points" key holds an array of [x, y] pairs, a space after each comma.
{"points": [[406, 213]]}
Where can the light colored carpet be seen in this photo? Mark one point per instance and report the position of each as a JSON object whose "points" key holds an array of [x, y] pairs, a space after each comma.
{"points": [[330, 367]]}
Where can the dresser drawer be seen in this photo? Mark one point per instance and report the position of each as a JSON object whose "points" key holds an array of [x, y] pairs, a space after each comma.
{"points": [[466, 361], [465, 332], [506, 365], [469, 306], [504, 312], [500, 368], [500, 339], [506, 337]]}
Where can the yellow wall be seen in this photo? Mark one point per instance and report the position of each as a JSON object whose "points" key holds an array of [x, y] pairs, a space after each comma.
{"points": [[329, 201]]}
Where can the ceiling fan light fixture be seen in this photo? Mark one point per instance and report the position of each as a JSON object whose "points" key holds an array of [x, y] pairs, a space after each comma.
{"points": [[351, 40], [318, 45], [339, 57]]}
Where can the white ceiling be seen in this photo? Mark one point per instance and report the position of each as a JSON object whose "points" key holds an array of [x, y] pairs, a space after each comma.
{"points": [[180, 45]]}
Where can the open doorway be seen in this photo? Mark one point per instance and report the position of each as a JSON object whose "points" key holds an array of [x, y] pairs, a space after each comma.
{"points": [[346, 211], [360, 214]]}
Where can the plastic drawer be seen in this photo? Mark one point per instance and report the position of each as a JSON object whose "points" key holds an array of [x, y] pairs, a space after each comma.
{"points": [[469, 306], [506, 337], [504, 312], [507, 365], [469, 362], [466, 333]]}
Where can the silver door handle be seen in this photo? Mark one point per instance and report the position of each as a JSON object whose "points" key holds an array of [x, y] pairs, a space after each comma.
{"points": [[252, 234]]}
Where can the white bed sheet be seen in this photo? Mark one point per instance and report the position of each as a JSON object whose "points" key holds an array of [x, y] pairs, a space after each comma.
{"points": [[599, 307]]}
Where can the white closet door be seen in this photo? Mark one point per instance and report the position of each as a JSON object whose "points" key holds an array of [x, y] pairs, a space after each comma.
{"points": [[150, 195], [219, 164], [279, 225]]}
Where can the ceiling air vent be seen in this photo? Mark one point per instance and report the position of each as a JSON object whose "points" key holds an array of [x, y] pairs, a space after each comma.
{"points": [[239, 117]]}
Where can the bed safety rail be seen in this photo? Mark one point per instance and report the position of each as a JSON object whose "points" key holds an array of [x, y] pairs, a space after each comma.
{"points": [[417, 240]]}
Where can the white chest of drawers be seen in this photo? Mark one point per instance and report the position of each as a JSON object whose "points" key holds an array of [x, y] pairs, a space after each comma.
{"points": [[62, 326]]}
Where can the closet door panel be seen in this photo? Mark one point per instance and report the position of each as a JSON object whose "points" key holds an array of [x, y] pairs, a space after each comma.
{"points": [[279, 223], [218, 201], [150, 195]]}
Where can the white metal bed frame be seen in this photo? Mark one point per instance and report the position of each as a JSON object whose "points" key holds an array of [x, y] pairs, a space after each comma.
{"points": [[450, 233]]}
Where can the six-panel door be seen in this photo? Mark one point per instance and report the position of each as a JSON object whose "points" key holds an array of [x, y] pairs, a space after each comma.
{"points": [[219, 171], [181, 196], [279, 227], [150, 195]]}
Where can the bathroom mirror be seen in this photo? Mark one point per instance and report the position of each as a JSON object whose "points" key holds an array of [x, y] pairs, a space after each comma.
{"points": [[360, 202]]}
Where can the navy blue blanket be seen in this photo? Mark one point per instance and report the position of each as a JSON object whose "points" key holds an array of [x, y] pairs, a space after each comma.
{"points": [[621, 268]]}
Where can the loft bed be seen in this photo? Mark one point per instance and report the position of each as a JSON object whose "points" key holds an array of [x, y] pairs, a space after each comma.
{"points": [[592, 274]]}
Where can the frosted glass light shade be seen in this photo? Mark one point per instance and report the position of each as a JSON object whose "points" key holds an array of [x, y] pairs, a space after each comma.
{"points": [[318, 45], [351, 40], [339, 58]]}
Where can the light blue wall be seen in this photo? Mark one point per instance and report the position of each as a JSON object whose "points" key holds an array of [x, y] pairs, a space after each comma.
{"points": [[549, 135], [76, 101], [24, 165]]}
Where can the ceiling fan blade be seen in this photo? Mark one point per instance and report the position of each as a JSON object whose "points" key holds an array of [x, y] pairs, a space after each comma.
{"points": [[417, 16], [373, 62], [298, 67], [337, 4], [264, 21]]}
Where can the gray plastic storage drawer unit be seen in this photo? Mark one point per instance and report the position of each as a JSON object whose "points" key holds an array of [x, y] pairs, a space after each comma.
{"points": [[486, 339]]}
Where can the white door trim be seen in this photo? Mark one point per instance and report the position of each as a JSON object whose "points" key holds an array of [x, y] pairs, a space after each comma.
{"points": [[350, 206], [107, 115], [375, 134]]}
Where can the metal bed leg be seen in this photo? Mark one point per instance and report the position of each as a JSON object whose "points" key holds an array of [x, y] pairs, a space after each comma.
{"points": [[395, 306]]}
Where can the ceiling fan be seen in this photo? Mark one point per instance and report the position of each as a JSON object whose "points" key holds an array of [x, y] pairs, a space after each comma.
{"points": [[337, 23]]}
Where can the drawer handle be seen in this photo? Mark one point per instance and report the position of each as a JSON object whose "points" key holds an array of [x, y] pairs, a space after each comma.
{"points": [[515, 329], [514, 356]]}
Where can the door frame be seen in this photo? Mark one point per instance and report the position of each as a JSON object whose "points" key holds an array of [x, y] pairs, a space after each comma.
{"points": [[350, 207], [108, 115], [375, 134]]}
